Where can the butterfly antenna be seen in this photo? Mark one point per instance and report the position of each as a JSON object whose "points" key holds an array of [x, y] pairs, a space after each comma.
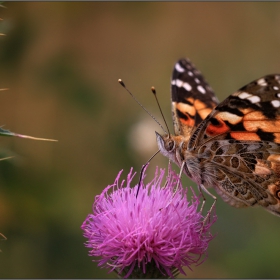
{"points": [[155, 95], [123, 85]]}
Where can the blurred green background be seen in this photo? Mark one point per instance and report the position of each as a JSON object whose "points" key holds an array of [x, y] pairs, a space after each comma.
{"points": [[61, 62]]}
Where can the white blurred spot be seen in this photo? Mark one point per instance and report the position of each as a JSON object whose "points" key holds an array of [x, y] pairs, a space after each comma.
{"points": [[142, 136]]}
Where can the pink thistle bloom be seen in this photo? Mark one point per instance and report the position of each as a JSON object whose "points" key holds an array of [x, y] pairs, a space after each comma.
{"points": [[150, 236]]}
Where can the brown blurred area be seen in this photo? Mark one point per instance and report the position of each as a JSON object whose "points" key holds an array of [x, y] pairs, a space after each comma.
{"points": [[61, 62]]}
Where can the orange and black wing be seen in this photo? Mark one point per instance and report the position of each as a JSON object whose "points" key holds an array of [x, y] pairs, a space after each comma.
{"points": [[191, 96], [239, 142], [250, 114]]}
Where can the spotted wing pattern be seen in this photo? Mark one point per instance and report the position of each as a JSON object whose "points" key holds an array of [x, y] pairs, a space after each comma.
{"points": [[238, 146], [192, 98]]}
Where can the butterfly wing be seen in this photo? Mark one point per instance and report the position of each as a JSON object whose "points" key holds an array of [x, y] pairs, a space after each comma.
{"points": [[252, 113], [241, 137], [192, 99]]}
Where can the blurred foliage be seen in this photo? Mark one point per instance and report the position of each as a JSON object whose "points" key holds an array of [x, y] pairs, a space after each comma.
{"points": [[14, 44], [61, 76], [61, 62]]}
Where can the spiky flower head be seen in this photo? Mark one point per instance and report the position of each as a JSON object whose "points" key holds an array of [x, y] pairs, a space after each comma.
{"points": [[153, 235]]}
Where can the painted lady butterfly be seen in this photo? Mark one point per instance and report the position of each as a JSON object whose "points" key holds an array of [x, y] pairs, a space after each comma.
{"points": [[233, 146]]}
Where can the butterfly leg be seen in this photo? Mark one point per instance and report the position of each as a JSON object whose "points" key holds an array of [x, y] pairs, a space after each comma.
{"points": [[203, 197], [179, 181], [168, 174], [201, 187], [180, 175]]}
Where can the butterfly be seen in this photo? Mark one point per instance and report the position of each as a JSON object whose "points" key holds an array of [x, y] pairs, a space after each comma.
{"points": [[232, 146]]}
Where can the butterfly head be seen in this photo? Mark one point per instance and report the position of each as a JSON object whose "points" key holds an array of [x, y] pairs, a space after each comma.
{"points": [[169, 146]]}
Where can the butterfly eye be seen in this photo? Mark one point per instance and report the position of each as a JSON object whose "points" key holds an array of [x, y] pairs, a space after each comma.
{"points": [[278, 194], [169, 145]]}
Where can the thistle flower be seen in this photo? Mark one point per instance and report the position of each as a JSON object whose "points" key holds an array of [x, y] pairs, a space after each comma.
{"points": [[153, 235]]}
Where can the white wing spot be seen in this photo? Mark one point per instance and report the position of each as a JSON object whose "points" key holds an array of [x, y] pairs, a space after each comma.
{"points": [[275, 88], [187, 86], [254, 99], [214, 98], [201, 89], [244, 95], [278, 95], [250, 97], [262, 82], [179, 68], [197, 80], [275, 103], [177, 83], [190, 73], [180, 83]]}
